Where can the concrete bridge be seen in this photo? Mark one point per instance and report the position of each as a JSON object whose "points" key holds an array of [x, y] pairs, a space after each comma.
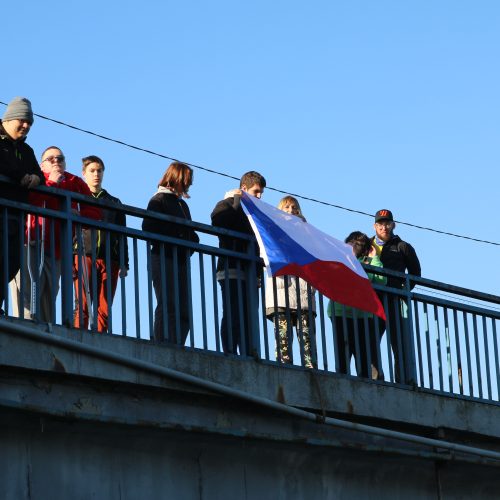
{"points": [[95, 416], [121, 416]]}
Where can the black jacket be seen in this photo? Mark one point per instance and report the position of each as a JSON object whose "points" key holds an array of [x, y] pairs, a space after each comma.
{"points": [[400, 256], [114, 217], [169, 204], [228, 214], [16, 160]]}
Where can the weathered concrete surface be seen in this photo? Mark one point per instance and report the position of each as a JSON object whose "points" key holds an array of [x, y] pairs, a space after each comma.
{"points": [[312, 389], [42, 458], [76, 426]]}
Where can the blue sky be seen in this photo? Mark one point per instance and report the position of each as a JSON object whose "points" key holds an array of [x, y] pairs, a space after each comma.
{"points": [[363, 104]]}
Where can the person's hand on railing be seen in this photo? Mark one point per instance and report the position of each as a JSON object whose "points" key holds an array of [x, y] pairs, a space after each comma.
{"points": [[30, 181]]}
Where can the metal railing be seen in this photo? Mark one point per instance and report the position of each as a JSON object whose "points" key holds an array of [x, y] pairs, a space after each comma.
{"points": [[437, 337]]}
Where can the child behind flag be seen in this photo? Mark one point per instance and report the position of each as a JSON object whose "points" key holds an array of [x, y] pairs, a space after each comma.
{"points": [[291, 307]]}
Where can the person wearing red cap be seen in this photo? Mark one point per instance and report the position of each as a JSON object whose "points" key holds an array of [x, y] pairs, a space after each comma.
{"points": [[396, 255]]}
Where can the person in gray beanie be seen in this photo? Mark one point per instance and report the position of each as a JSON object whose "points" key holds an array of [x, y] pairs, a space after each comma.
{"points": [[19, 171]]}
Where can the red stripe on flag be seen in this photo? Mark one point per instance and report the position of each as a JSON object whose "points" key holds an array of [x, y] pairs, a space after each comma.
{"points": [[335, 281]]}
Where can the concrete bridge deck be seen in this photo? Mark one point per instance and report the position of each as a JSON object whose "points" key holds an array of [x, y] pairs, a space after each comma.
{"points": [[93, 416]]}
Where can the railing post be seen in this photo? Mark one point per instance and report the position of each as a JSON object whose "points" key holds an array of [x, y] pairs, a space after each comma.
{"points": [[67, 262], [252, 297], [409, 364]]}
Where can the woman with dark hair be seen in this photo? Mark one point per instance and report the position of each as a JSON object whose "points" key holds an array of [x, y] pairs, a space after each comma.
{"points": [[355, 329], [169, 262]]}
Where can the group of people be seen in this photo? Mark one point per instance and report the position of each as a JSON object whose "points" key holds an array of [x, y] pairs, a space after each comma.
{"points": [[41, 265], [289, 300]]}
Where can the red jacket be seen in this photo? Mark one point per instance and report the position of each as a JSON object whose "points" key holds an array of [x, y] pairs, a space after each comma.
{"points": [[70, 183]]}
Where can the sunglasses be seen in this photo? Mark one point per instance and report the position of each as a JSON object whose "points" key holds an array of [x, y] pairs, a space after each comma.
{"points": [[52, 159]]}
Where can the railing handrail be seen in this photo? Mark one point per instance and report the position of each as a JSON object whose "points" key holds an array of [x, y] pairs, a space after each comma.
{"points": [[207, 229]]}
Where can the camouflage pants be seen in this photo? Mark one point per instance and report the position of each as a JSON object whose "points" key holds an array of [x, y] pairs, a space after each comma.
{"points": [[285, 332]]}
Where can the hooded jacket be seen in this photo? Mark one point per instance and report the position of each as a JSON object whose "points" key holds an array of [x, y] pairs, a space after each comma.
{"points": [[228, 214], [16, 160], [400, 256], [114, 217]]}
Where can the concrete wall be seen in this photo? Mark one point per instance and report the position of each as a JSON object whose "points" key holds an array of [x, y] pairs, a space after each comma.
{"points": [[77, 426]]}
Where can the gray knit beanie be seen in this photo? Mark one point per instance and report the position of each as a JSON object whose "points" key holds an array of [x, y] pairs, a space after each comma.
{"points": [[18, 109]]}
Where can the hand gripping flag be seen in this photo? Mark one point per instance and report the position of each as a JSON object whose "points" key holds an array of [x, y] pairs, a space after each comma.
{"points": [[290, 246]]}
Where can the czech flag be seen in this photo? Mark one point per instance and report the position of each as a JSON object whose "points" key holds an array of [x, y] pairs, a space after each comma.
{"points": [[290, 246]]}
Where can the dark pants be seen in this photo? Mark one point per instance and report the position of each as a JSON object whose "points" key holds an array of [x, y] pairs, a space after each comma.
{"points": [[166, 312], [11, 259], [357, 340], [235, 325], [400, 339]]}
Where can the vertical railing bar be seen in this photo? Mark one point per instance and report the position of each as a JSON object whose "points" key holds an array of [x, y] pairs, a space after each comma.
{"points": [[388, 338], [495, 350], [376, 324], [23, 269], [94, 302], [476, 347], [357, 346], [264, 320], [215, 304], [298, 326], [399, 340], [419, 343], [109, 283], [5, 263], [277, 336], [53, 275], [187, 257], [243, 333], [165, 327], [449, 360], [468, 354], [487, 357], [203, 301], [288, 317], [323, 330], [347, 351], [149, 264], [367, 345], [123, 300], [438, 348], [136, 288], [458, 350], [428, 347], [313, 351], [175, 261]]}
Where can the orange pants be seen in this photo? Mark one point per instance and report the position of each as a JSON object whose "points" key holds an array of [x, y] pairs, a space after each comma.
{"points": [[103, 306]]}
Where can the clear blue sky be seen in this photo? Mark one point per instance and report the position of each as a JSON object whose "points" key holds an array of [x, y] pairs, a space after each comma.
{"points": [[363, 104]]}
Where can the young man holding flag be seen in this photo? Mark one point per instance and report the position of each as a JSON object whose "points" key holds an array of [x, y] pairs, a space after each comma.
{"points": [[228, 214]]}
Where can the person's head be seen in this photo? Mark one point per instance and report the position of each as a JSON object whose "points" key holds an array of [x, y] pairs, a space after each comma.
{"points": [[53, 160], [290, 205], [360, 243], [253, 183], [178, 177], [18, 118], [384, 224], [93, 172]]}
